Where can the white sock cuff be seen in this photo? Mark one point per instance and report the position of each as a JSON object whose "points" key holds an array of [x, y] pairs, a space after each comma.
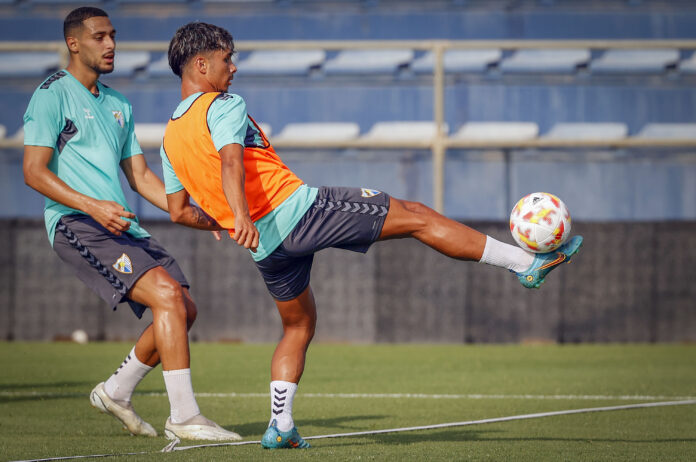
{"points": [[177, 372], [140, 364], [182, 402]]}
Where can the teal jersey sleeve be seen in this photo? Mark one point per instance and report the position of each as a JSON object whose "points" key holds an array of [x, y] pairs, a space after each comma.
{"points": [[131, 147], [43, 120], [171, 181], [227, 119]]}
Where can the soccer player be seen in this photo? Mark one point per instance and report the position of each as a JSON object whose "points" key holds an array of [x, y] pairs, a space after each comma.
{"points": [[217, 154], [77, 133]]}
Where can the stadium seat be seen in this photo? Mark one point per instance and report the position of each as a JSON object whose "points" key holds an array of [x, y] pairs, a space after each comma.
{"points": [[617, 61], [497, 131], [588, 131], [459, 60], [150, 133], [689, 65], [28, 64], [127, 62], [159, 67], [664, 130], [551, 61], [320, 131], [3, 131], [368, 61], [403, 131], [281, 62]]}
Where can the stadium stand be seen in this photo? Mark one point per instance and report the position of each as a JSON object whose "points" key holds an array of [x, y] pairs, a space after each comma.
{"points": [[688, 65], [546, 61], [588, 131], [319, 131], [150, 133], [127, 62]]}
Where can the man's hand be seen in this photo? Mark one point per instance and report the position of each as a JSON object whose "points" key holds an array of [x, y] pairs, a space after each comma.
{"points": [[110, 215], [245, 233]]}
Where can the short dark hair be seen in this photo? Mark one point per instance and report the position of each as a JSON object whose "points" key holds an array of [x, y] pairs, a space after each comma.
{"points": [[194, 38], [75, 18]]}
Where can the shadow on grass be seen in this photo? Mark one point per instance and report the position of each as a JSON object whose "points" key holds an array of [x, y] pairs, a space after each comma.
{"points": [[41, 391], [343, 422]]}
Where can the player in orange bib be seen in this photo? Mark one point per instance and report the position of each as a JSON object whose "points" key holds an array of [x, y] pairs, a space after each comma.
{"points": [[216, 154]]}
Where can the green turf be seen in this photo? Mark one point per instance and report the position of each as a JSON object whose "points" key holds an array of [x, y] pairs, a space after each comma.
{"points": [[44, 410]]}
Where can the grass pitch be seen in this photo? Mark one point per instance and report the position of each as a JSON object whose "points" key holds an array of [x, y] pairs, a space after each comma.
{"points": [[45, 412]]}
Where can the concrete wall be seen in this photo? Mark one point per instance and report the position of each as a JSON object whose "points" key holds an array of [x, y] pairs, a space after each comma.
{"points": [[631, 283]]}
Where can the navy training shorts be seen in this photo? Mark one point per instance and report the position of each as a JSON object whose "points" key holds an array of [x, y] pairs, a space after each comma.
{"points": [[109, 264], [344, 218]]}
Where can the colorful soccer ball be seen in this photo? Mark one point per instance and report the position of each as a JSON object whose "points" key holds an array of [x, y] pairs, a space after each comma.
{"points": [[540, 222]]}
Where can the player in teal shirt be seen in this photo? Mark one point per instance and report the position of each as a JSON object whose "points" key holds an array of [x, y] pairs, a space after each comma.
{"points": [[78, 132]]}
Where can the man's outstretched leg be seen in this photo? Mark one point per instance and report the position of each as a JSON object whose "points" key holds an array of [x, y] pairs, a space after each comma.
{"points": [[299, 318], [114, 396], [456, 240]]}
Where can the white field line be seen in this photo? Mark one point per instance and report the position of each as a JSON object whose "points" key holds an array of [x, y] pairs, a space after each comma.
{"points": [[49, 394], [173, 446]]}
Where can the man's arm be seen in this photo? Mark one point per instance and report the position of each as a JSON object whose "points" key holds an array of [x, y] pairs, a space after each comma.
{"points": [[37, 176], [144, 181], [245, 233]]}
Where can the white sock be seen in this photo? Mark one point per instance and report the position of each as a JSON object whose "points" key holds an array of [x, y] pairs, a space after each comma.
{"points": [[121, 384], [182, 403], [507, 256], [282, 394]]}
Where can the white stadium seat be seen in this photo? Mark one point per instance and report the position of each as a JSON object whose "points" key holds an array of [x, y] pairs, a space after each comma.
{"points": [[459, 60], [403, 131], [281, 62], [616, 61], [319, 131], [150, 133], [551, 61], [588, 131], [127, 62], [368, 61], [497, 131], [666, 130], [28, 64]]}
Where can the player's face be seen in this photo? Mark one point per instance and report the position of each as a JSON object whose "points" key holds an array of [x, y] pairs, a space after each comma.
{"points": [[221, 69], [97, 44]]}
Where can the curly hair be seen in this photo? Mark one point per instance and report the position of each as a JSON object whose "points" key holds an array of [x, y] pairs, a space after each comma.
{"points": [[194, 38]]}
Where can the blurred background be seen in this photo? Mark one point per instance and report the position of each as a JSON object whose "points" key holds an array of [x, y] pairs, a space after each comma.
{"points": [[464, 105]]}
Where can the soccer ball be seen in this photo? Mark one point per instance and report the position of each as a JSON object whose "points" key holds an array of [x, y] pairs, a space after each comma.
{"points": [[540, 222]]}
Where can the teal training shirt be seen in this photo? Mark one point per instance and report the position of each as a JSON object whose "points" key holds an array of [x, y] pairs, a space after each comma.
{"points": [[229, 124], [90, 136]]}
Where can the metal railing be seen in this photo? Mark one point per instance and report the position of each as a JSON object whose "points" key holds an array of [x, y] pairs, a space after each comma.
{"points": [[440, 143]]}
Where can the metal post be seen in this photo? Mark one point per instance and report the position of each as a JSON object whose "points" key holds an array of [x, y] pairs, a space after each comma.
{"points": [[438, 147]]}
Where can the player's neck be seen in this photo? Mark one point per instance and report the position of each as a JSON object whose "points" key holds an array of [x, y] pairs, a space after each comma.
{"points": [[85, 75], [190, 86]]}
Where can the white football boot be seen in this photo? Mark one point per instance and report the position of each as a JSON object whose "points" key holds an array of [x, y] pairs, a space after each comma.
{"points": [[120, 410], [198, 428]]}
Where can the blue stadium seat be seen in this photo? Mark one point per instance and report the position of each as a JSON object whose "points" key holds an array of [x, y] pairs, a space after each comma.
{"points": [[587, 131], [402, 131], [127, 62], [497, 131], [668, 130], [617, 61], [549, 61], [318, 131], [354, 62], [281, 62], [28, 64], [459, 60]]}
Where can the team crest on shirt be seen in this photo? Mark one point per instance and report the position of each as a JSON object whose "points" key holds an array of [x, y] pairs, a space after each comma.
{"points": [[123, 264], [369, 192], [118, 115]]}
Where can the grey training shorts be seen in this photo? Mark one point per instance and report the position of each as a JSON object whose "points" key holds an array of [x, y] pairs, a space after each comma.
{"points": [[109, 264], [345, 218]]}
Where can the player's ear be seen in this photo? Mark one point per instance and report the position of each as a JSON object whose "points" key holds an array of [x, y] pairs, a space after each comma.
{"points": [[201, 64], [73, 44]]}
